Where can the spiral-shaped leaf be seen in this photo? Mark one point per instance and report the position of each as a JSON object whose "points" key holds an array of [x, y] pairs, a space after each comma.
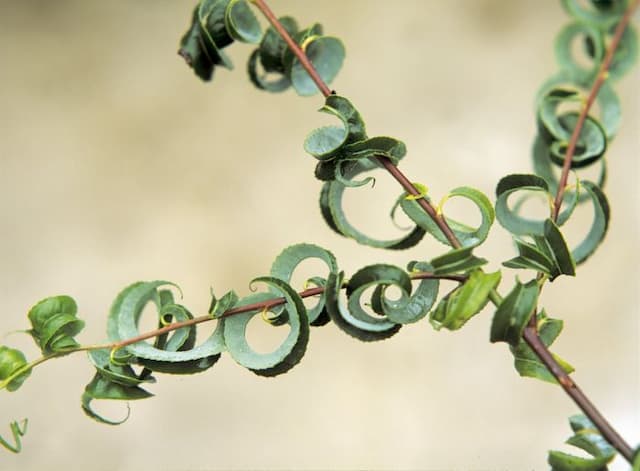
{"points": [[54, 323]]}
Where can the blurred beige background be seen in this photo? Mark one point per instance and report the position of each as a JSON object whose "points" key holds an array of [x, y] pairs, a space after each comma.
{"points": [[117, 164]]}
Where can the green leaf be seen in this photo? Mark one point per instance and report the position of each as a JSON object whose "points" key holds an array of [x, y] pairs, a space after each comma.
{"points": [[115, 373], [588, 438], [261, 80], [456, 261], [508, 217], [565, 54], [610, 111], [364, 328], [102, 388], [514, 313], [333, 214], [286, 263], [464, 302], [292, 349], [626, 54], [599, 226], [527, 363], [549, 254], [222, 305], [327, 54], [543, 167], [54, 324], [241, 23], [636, 460], [406, 309], [12, 360], [468, 236], [325, 143], [18, 430], [123, 320]]}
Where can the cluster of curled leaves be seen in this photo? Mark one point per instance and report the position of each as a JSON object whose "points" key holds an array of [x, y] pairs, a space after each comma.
{"points": [[216, 24], [361, 305]]}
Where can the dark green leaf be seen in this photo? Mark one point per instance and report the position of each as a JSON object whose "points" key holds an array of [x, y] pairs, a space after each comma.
{"points": [[292, 349], [364, 328], [101, 388], [464, 302], [599, 226], [514, 313], [406, 309], [327, 54], [507, 217], [119, 374]]}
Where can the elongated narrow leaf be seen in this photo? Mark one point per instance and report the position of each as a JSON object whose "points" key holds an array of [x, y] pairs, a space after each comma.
{"points": [[603, 15], [119, 374], [292, 349], [565, 52], [286, 263], [464, 302], [456, 261], [587, 438], [364, 328], [18, 430], [508, 217], [514, 313], [526, 361], [599, 226]]}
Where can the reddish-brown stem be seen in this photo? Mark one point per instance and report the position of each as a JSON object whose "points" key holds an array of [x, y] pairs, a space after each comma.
{"points": [[610, 434], [263, 305], [600, 79], [530, 335]]}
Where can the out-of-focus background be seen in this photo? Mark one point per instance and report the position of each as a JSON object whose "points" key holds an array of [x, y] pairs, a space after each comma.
{"points": [[117, 164]]}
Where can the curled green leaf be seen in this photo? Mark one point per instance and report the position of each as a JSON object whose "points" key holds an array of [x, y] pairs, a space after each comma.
{"points": [[102, 388], [241, 23], [286, 263], [361, 326], [123, 321], [464, 302], [292, 349], [456, 261], [599, 13], [54, 323], [467, 236], [407, 308], [18, 430], [11, 362], [590, 35], [333, 213]]}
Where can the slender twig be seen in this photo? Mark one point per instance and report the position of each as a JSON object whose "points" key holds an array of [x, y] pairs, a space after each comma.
{"points": [[610, 434], [599, 81], [530, 335]]}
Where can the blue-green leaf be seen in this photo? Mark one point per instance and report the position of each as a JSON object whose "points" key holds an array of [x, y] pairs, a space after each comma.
{"points": [[102, 388], [456, 261], [599, 226], [241, 23], [603, 15], [466, 235], [292, 349], [363, 327], [285, 264]]}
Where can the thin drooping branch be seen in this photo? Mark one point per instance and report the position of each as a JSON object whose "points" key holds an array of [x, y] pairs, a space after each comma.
{"points": [[593, 93], [326, 91], [530, 335]]}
